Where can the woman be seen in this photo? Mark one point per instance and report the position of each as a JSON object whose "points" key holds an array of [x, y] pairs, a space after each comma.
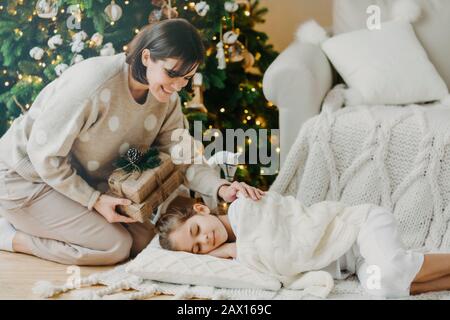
{"points": [[54, 160]]}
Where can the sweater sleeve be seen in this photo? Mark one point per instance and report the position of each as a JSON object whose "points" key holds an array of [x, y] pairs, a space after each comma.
{"points": [[174, 133], [65, 114]]}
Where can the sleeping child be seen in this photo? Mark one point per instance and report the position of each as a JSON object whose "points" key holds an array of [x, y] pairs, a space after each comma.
{"points": [[280, 236]]}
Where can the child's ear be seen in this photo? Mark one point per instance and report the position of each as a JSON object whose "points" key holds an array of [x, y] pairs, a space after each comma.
{"points": [[201, 209]]}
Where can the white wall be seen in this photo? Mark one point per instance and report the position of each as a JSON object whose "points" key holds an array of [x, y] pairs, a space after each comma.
{"points": [[285, 16]]}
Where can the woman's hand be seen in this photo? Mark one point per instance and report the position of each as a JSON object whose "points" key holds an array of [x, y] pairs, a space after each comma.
{"points": [[229, 192], [225, 251], [106, 206]]}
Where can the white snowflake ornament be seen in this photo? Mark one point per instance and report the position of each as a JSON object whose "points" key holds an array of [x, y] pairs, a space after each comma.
{"points": [[55, 41], [37, 53], [79, 36], [202, 8], [107, 50], [77, 46], [78, 58], [230, 37], [231, 6], [97, 39], [60, 68]]}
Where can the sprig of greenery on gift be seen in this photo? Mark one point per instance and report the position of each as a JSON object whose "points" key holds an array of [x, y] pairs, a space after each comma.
{"points": [[133, 160]]}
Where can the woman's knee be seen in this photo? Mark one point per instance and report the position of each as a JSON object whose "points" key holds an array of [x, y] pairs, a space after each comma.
{"points": [[120, 246], [113, 246]]}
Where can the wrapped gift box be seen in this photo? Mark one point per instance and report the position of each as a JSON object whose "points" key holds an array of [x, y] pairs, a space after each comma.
{"points": [[138, 186], [143, 210]]}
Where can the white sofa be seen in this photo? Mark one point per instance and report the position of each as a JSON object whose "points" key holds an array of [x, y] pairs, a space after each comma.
{"points": [[298, 80]]}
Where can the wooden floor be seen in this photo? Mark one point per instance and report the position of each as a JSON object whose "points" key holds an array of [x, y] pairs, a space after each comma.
{"points": [[19, 273]]}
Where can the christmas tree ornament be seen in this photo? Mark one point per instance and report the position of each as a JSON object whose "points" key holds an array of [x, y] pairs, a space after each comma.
{"points": [[165, 11], [227, 161], [77, 58], [77, 46], [60, 68], [222, 64], [169, 12], [75, 11], [97, 39], [37, 53], [79, 36], [235, 52], [246, 4], [249, 61], [197, 101], [55, 41], [155, 16], [47, 9], [107, 50], [230, 37], [231, 6], [202, 8], [113, 11]]}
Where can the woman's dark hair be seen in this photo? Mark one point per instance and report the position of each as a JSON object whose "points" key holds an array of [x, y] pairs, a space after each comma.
{"points": [[173, 38]]}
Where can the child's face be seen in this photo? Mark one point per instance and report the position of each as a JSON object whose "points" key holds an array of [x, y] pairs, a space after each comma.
{"points": [[200, 234]]}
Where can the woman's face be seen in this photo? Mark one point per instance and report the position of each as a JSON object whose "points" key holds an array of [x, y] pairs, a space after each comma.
{"points": [[199, 234], [161, 84]]}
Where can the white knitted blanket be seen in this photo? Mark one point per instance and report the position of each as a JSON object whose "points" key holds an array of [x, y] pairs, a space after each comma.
{"points": [[278, 235], [396, 157]]}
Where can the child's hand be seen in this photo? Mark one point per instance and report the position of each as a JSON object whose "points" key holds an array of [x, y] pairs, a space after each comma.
{"points": [[229, 192], [225, 251]]}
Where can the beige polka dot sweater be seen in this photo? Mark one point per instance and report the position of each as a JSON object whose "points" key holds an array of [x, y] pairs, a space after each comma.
{"points": [[80, 123]]}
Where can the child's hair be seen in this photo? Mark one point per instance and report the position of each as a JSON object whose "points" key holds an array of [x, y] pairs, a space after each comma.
{"points": [[173, 38], [177, 213], [168, 222]]}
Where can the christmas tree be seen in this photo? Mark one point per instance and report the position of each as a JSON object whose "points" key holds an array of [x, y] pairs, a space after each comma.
{"points": [[42, 38]]}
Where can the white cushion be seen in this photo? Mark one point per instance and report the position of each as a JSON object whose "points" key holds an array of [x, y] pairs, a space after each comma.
{"points": [[385, 66], [178, 267], [432, 28]]}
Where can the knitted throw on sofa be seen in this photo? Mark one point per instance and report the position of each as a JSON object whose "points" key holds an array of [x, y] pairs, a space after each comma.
{"points": [[394, 156]]}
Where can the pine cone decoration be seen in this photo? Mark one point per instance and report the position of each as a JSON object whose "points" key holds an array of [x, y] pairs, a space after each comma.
{"points": [[134, 155]]}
